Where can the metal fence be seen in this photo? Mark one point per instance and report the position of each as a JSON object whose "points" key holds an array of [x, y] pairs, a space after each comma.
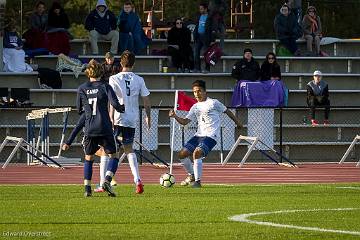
{"points": [[288, 130]]}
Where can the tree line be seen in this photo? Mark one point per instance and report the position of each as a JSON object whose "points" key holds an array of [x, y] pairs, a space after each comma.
{"points": [[339, 17]]}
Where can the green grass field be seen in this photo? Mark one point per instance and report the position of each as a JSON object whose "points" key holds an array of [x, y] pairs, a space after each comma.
{"points": [[61, 212]]}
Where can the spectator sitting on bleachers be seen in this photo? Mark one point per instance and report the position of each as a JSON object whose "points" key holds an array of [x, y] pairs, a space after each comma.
{"points": [[246, 68], [109, 67], [13, 54], [101, 23], [318, 95], [270, 69], [179, 48], [132, 36], [287, 29], [312, 30], [36, 36], [58, 35]]}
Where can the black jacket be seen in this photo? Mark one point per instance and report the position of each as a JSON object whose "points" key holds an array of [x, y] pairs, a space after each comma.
{"points": [[244, 70], [323, 94], [287, 27], [179, 36], [268, 71]]}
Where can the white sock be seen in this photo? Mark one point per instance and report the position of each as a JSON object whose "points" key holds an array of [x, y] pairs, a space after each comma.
{"points": [[104, 161], [198, 169], [188, 165], [134, 166]]}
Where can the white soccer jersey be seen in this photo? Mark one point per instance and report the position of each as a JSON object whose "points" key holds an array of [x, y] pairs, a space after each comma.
{"points": [[207, 113], [128, 87]]}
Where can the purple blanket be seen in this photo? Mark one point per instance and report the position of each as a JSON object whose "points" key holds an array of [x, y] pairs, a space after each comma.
{"points": [[270, 93]]}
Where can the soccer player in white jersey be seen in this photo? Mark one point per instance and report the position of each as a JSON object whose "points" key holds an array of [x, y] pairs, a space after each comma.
{"points": [[206, 112], [128, 87]]}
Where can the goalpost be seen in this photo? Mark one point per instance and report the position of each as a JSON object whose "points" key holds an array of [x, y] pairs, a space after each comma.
{"points": [[352, 145]]}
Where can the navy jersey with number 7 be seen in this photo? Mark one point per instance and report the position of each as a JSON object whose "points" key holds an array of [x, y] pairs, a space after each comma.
{"points": [[93, 98]]}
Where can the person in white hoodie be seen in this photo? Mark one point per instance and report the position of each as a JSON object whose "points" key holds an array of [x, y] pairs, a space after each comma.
{"points": [[14, 55], [101, 23]]}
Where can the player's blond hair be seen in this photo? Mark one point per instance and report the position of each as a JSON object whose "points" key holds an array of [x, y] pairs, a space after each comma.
{"points": [[94, 69]]}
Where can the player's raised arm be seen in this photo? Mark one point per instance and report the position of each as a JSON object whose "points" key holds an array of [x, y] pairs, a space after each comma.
{"points": [[232, 117], [182, 121], [114, 100]]}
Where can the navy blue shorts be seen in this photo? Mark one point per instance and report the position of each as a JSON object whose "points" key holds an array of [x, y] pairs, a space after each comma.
{"points": [[124, 135], [206, 144], [92, 144]]}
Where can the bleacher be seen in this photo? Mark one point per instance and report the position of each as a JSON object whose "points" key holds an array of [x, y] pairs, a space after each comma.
{"points": [[341, 70]]}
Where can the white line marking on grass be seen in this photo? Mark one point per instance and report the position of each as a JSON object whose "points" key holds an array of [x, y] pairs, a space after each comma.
{"points": [[221, 184], [357, 188], [244, 218]]}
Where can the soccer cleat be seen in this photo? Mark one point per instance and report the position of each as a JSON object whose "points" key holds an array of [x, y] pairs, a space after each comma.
{"points": [[314, 122], [99, 189], [139, 187], [326, 122], [197, 184], [107, 187], [188, 180], [113, 182], [87, 194]]}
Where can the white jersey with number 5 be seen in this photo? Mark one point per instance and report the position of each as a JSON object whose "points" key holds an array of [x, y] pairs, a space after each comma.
{"points": [[207, 114], [128, 87]]}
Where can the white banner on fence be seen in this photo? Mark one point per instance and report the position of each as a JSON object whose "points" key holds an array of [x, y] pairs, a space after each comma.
{"points": [[261, 124], [149, 137]]}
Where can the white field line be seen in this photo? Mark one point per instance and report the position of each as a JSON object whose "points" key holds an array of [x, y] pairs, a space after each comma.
{"points": [[356, 188], [244, 218]]}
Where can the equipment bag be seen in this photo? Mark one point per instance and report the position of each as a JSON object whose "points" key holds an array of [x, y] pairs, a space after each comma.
{"points": [[49, 78], [213, 54]]}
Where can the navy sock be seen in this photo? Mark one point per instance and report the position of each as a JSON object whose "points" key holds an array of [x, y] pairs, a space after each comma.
{"points": [[112, 167], [87, 188], [88, 170]]}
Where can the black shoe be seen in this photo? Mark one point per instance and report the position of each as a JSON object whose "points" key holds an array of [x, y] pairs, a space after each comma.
{"points": [[197, 184], [107, 187]]}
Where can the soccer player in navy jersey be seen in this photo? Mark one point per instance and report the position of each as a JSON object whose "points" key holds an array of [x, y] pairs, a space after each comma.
{"points": [[93, 98]]}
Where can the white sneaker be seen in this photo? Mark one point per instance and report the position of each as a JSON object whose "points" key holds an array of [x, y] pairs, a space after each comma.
{"points": [[188, 180]]}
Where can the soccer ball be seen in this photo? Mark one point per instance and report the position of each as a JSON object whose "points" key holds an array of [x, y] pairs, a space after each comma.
{"points": [[167, 180]]}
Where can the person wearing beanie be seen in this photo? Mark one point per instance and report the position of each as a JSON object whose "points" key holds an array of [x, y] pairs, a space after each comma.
{"points": [[101, 24], [311, 25], [318, 96], [246, 68], [287, 29]]}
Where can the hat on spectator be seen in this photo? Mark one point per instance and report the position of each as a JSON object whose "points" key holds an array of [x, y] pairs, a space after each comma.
{"points": [[317, 73], [109, 55], [247, 50]]}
